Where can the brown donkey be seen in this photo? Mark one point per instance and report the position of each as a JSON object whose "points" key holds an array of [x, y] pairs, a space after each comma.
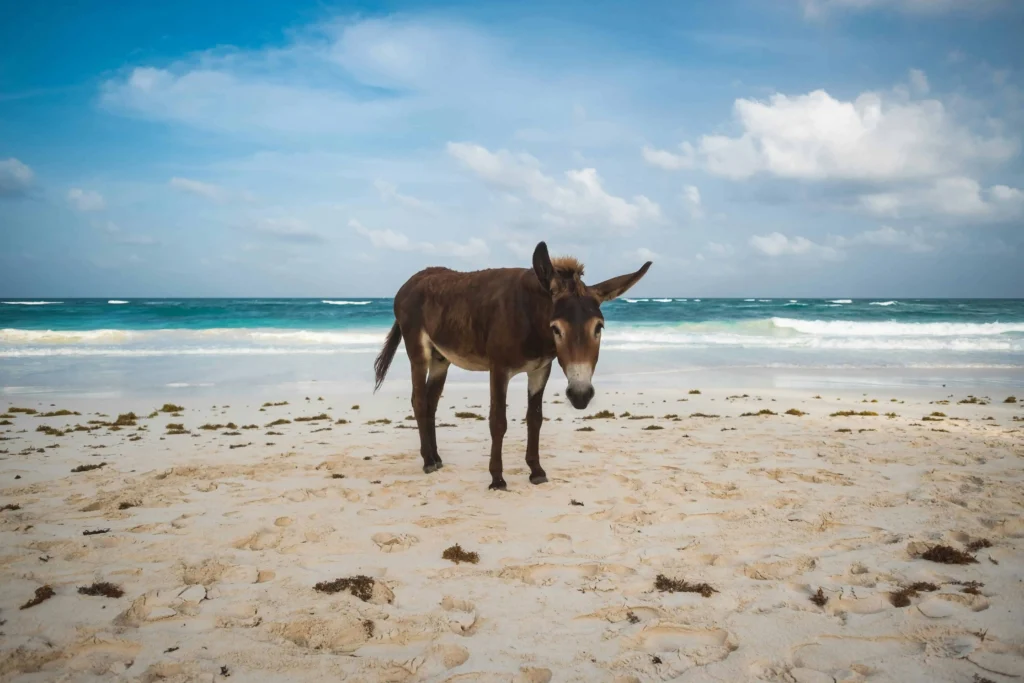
{"points": [[504, 321]]}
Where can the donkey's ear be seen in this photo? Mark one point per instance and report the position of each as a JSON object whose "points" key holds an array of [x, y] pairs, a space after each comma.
{"points": [[617, 286], [542, 266]]}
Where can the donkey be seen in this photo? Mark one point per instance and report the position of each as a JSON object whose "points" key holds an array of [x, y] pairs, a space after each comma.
{"points": [[504, 321]]}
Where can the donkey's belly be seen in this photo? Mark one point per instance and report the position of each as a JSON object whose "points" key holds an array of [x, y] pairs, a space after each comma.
{"points": [[461, 361]]}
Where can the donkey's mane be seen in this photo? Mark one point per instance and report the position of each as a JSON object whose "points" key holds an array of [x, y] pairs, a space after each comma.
{"points": [[567, 267]]}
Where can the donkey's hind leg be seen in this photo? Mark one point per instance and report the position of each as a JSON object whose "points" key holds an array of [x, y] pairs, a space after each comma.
{"points": [[419, 360]]}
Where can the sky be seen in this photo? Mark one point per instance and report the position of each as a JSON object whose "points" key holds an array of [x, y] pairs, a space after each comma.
{"points": [[797, 148]]}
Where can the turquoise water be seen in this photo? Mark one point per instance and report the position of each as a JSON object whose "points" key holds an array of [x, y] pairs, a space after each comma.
{"points": [[101, 346], [945, 332]]}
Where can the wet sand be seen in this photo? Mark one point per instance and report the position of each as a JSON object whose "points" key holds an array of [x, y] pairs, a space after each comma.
{"points": [[218, 537]]}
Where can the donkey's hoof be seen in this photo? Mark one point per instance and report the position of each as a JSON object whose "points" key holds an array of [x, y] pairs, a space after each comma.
{"points": [[499, 485], [438, 464], [539, 479], [432, 467]]}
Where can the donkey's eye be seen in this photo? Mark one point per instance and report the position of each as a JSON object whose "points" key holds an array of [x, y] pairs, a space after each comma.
{"points": [[557, 332], [597, 329]]}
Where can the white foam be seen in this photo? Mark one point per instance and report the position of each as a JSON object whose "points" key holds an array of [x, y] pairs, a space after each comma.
{"points": [[178, 336], [750, 299], [663, 301], [882, 303], [116, 301], [30, 303], [846, 328], [841, 301], [680, 299], [345, 303]]}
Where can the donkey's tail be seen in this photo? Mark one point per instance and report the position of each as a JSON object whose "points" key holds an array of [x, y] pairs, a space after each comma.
{"points": [[387, 353]]}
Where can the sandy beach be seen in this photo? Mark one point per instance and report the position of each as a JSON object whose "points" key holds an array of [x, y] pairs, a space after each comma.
{"points": [[692, 536]]}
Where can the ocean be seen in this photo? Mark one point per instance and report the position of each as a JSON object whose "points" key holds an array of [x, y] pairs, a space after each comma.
{"points": [[70, 337]]}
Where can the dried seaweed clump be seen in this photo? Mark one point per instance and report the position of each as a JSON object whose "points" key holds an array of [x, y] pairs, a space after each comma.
{"points": [[43, 593], [360, 586], [901, 598], [977, 544], [601, 415], [10, 506], [694, 391], [854, 413], [1010, 399], [795, 411], [379, 421], [763, 411], [49, 431], [103, 589], [947, 555], [87, 468], [651, 428], [457, 555], [702, 415], [667, 585], [268, 404], [125, 420], [58, 413], [313, 418], [819, 598], [94, 532], [25, 411], [171, 408]]}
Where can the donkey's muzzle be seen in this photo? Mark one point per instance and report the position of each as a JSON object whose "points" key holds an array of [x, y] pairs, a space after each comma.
{"points": [[579, 398]]}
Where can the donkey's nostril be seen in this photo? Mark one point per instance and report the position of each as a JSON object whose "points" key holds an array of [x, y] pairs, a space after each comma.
{"points": [[579, 398]]}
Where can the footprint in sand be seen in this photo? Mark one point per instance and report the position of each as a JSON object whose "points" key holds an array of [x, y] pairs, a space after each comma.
{"points": [[264, 539], [548, 574], [633, 615], [100, 656], [853, 657], [461, 615], [394, 543], [340, 634], [213, 571], [527, 674], [942, 605], [774, 571], [557, 544]]}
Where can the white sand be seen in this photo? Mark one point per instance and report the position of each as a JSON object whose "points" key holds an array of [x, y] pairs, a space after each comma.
{"points": [[220, 554]]}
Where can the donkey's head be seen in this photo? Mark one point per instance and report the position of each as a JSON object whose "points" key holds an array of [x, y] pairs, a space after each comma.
{"points": [[576, 320]]}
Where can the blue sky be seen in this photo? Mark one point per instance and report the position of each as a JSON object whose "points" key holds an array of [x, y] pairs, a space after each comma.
{"points": [[747, 147]]}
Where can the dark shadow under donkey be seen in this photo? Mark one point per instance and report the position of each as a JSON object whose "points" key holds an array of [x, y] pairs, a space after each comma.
{"points": [[504, 321]]}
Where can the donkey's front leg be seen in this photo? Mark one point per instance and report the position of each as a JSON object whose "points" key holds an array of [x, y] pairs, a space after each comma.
{"points": [[536, 381], [499, 389]]}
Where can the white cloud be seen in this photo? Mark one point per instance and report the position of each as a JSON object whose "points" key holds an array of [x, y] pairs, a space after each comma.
{"points": [[209, 191], [86, 200], [389, 192], [669, 160], [691, 197], [956, 196], [645, 254], [919, 82], [15, 178], [389, 239], [719, 249], [819, 8], [915, 240], [472, 250], [776, 244], [817, 137], [580, 197], [286, 230]]}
